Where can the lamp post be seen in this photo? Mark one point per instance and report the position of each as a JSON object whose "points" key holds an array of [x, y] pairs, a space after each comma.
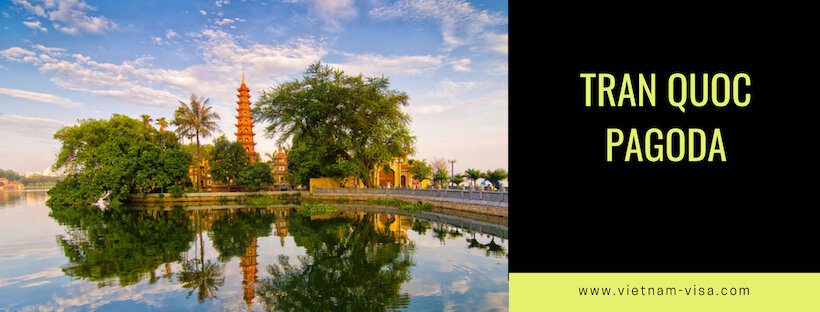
{"points": [[452, 166]]}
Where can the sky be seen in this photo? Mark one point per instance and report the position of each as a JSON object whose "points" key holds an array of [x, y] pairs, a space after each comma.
{"points": [[66, 60]]}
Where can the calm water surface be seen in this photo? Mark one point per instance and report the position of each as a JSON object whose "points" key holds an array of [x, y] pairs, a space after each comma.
{"points": [[234, 258]]}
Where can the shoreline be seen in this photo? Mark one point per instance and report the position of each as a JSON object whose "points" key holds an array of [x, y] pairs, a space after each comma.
{"points": [[225, 197]]}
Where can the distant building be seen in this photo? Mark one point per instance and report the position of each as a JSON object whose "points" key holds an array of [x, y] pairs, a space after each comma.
{"points": [[7, 185]]}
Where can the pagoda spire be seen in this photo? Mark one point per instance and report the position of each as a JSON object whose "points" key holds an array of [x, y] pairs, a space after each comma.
{"points": [[244, 123]]}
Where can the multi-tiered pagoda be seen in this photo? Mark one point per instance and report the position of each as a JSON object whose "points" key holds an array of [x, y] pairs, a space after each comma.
{"points": [[244, 124]]}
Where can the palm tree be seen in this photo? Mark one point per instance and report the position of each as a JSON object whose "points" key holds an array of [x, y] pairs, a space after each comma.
{"points": [[199, 120], [495, 176], [205, 279], [473, 175], [146, 119], [162, 123], [179, 122]]}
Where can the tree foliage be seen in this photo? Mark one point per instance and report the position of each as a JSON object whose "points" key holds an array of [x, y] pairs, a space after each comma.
{"points": [[340, 125], [495, 176], [118, 156], [420, 169], [254, 176], [226, 160], [9, 174], [473, 175]]}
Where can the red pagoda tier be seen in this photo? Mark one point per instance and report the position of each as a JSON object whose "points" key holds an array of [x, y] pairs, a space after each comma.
{"points": [[244, 123]]}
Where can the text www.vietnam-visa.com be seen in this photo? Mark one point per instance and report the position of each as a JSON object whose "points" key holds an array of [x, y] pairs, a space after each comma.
{"points": [[693, 290]]}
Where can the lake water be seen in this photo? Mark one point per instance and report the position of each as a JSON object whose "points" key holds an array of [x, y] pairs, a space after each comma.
{"points": [[235, 258]]}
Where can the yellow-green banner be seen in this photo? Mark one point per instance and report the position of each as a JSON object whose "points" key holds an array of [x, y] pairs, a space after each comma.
{"points": [[632, 292]]}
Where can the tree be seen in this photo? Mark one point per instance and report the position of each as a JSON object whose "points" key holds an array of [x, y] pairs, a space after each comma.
{"points": [[440, 177], [9, 174], [182, 129], [146, 119], [494, 176], [197, 118], [439, 164], [420, 169], [227, 159], [339, 124], [162, 123], [473, 175], [457, 179], [118, 156], [254, 176]]}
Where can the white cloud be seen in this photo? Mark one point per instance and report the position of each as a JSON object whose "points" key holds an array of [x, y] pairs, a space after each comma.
{"points": [[35, 9], [17, 54], [35, 25], [34, 127], [41, 97], [460, 23], [203, 12], [497, 43], [171, 34], [461, 65], [68, 16], [137, 82], [425, 109], [405, 65], [228, 21], [448, 88], [332, 12]]}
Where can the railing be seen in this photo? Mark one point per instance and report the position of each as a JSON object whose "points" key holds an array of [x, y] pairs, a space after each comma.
{"points": [[478, 195]]}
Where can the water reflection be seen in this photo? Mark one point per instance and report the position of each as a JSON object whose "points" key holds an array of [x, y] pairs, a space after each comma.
{"points": [[353, 259]]}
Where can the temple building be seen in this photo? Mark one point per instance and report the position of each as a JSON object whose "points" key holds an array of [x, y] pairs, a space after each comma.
{"points": [[280, 170], [244, 123], [396, 174]]}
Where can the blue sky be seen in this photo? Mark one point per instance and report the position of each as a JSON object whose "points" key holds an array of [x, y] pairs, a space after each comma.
{"points": [[64, 60]]}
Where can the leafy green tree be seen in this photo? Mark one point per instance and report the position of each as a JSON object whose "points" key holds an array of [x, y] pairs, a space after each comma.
{"points": [[198, 119], [255, 176], [9, 174], [473, 175], [118, 156], [227, 159], [339, 124], [495, 176], [420, 169]]}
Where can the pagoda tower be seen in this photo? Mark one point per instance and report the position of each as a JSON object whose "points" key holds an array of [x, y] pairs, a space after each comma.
{"points": [[244, 123]]}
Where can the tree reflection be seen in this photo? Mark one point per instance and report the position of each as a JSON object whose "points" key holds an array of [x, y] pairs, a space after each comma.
{"points": [[492, 247], [128, 244], [233, 233], [204, 279], [351, 265]]}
